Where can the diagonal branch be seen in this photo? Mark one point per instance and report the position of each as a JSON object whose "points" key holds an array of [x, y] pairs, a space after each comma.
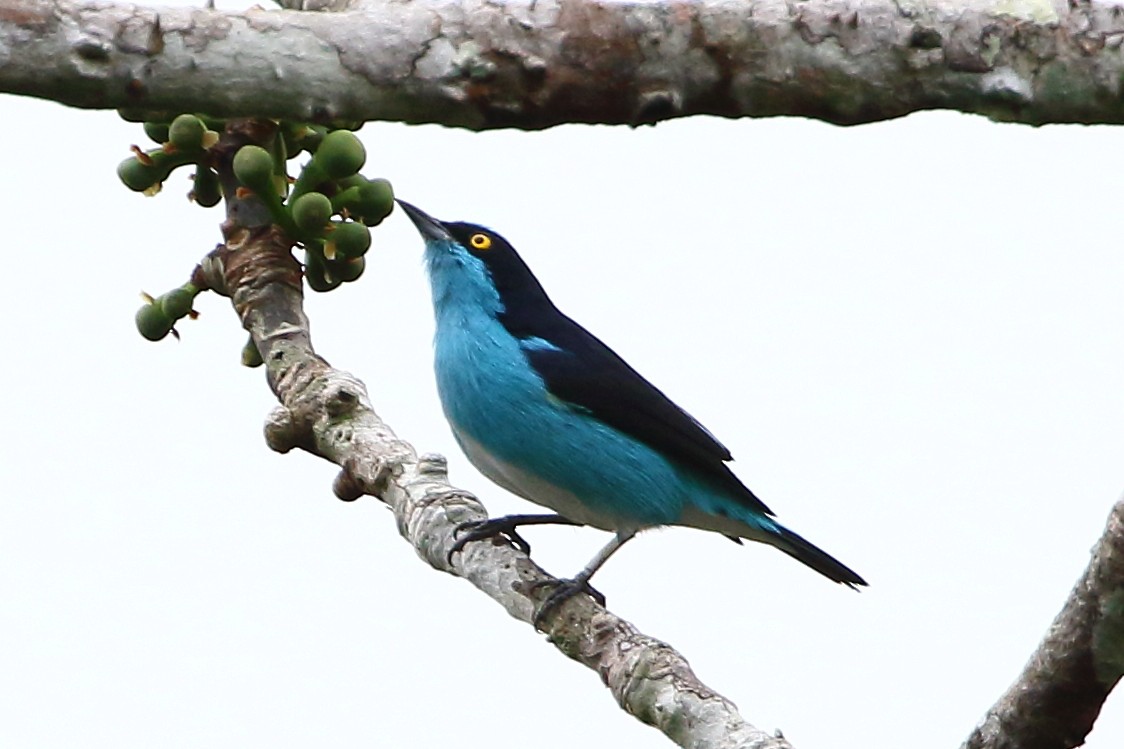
{"points": [[327, 412], [537, 63], [1058, 696]]}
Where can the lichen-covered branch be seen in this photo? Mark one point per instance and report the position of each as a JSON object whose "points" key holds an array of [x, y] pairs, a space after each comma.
{"points": [[327, 412], [537, 63], [1059, 694]]}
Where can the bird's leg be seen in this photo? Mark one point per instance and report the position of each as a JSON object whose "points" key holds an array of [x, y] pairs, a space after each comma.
{"points": [[505, 526], [579, 583]]}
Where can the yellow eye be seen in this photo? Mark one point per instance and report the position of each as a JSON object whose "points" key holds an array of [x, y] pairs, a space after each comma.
{"points": [[480, 241]]}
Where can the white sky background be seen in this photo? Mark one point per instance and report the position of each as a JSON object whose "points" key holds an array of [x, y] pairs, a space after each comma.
{"points": [[908, 333]]}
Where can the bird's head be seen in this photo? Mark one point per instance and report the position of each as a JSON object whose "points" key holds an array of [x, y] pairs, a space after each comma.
{"points": [[469, 263]]}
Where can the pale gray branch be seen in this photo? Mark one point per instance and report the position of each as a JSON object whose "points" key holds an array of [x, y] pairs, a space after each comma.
{"points": [[1058, 696], [327, 412], [537, 63]]}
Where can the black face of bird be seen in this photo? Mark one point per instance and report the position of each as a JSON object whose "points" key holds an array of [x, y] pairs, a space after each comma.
{"points": [[507, 270]]}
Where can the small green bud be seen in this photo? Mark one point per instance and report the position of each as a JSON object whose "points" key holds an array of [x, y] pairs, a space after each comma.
{"points": [[177, 302], [186, 133], [347, 270], [139, 176], [152, 322], [311, 212], [376, 201], [253, 166], [206, 190], [349, 240], [251, 357], [341, 154], [158, 131]]}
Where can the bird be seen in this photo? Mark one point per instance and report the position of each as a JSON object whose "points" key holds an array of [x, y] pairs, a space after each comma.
{"points": [[547, 411]]}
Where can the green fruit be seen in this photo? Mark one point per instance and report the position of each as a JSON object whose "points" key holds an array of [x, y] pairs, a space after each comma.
{"points": [[139, 176], [253, 166], [347, 270], [158, 131], [186, 133], [311, 213], [177, 303], [166, 162], [147, 174], [206, 190], [349, 240], [376, 201], [341, 154], [152, 323], [345, 199], [316, 274], [251, 357]]}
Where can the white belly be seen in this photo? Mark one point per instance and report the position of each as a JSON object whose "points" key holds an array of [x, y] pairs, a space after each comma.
{"points": [[533, 488]]}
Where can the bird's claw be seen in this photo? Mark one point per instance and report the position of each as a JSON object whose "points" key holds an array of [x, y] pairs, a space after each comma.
{"points": [[563, 590], [478, 530]]}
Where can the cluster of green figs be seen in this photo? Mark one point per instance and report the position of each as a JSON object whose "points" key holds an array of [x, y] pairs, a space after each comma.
{"points": [[328, 209]]}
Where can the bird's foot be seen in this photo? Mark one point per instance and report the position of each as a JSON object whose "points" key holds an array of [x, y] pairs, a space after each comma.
{"points": [[478, 530], [563, 590]]}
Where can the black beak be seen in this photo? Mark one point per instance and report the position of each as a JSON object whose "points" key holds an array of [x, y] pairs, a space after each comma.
{"points": [[429, 227]]}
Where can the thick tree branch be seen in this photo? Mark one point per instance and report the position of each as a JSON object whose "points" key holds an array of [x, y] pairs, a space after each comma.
{"points": [[537, 63], [1059, 694]]}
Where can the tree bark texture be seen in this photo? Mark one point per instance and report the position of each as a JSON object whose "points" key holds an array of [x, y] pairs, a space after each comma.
{"points": [[537, 63], [1059, 694]]}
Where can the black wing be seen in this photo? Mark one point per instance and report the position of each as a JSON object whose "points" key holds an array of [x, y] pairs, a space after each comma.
{"points": [[581, 370]]}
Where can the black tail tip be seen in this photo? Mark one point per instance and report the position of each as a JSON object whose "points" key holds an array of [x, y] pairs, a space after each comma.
{"points": [[797, 547]]}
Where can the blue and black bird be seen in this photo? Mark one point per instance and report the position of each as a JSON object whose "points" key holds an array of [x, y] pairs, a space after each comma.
{"points": [[547, 411]]}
